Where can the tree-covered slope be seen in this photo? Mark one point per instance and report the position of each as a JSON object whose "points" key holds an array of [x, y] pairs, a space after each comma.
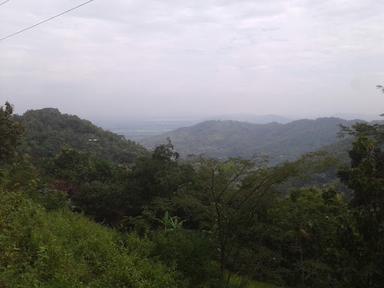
{"points": [[47, 131], [280, 142]]}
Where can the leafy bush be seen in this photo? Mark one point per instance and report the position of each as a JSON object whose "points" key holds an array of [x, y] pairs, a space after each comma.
{"points": [[62, 249], [190, 253]]}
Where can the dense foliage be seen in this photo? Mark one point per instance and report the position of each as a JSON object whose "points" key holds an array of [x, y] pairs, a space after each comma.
{"points": [[10, 132], [62, 249], [47, 131], [76, 218]]}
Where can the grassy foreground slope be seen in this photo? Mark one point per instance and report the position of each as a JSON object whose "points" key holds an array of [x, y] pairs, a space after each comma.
{"points": [[61, 249], [47, 131]]}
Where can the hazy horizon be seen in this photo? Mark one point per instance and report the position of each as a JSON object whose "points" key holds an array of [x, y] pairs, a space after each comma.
{"points": [[246, 117], [171, 59]]}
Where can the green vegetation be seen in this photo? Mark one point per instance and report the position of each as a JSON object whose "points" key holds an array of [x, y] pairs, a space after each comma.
{"points": [[238, 282], [62, 249], [10, 132], [76, 217], [279, 142], [47, 131]]}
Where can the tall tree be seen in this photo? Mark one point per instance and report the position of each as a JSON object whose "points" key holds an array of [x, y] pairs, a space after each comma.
{"points": [[229, 198], [365, 177], [10, 132]]}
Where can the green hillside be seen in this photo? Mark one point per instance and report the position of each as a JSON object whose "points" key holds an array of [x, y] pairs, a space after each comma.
{"points": [[47, 131], [79, 220], [280, 142]]}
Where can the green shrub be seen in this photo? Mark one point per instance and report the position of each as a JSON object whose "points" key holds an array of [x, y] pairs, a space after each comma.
{"points": [[191, 254], [62, 249]]}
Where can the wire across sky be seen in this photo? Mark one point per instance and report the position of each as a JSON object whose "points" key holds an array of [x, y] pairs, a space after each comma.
{"points": [[43, 21], [4, 2]]}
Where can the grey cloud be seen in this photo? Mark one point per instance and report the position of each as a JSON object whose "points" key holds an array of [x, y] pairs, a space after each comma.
{"points": [[173, 57]]}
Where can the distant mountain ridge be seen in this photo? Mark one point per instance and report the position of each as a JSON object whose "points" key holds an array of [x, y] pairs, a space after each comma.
{"points": [[255, 119], [47, 131], [279, 142]]}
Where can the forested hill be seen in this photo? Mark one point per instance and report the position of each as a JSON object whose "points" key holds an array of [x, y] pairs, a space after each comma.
{"points": [[47, 131], [279, 142]]}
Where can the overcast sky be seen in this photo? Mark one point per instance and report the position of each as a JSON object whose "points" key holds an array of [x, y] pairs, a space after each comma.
{"points": [[175, 58]]}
